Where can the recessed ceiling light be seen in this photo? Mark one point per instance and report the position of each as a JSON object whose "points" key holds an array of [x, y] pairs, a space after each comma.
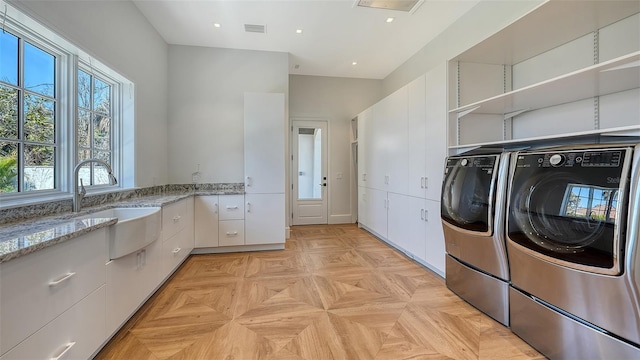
{"points": [[354, 63], [390, 19], [299, 31], [216, 25]]}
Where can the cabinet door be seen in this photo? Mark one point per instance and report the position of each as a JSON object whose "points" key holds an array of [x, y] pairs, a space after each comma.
{"points": [[436, 136], [231, 207], [264, 219], [417, 137], [396, 143], [206, 221], [364, 118], [363, 207], [435, 250], [406, 224], [231, 233], [130, 280], [377, 149], [264, 143], [38, 287], [378, 212], [76, 334]]}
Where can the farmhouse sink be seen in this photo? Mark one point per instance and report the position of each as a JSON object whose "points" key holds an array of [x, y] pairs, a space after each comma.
{"points": [[135, 229]]}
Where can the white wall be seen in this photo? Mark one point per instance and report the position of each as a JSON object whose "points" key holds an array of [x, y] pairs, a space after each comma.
{"points": [[480, 22], [118, 35], [336, 100], [206, 116]]}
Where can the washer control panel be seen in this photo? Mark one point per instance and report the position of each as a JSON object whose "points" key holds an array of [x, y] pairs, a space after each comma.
{"points": [[568, 159]]}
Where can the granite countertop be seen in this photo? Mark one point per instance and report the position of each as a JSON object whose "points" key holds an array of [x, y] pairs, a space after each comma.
{"points": [[23, 238]]}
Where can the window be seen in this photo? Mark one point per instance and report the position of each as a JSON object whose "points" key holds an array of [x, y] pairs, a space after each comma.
{"points": [[28, 118], [591, 202], [94, 127], [58, 106]]}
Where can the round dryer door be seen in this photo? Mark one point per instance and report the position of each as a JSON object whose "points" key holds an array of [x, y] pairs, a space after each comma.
{"points": [[568, 207]]}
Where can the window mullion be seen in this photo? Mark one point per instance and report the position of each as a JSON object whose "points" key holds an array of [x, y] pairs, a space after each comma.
{"points": [[21, 116]]}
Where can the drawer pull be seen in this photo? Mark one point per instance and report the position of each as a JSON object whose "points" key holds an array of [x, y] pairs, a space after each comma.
{"points": [[232, 233], [177, 218], [64, 352], [176, 250], [61, 280], [232, 207]]}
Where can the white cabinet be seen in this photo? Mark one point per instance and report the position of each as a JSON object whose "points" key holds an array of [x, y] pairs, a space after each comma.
{"points": [[264, 219], [377, 211], [231, 233], [530, 82], [177, 247], [75, 334], [407, 225], [38, 287], [417, 124], [206, 221], [436, 127], [435, 250], [231, 207], [364, 120], [264, 143], [130, 280], [405, 149]]}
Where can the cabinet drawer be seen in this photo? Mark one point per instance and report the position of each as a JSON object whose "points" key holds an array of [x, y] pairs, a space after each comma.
{"points": [[36, 288], [231, 232], [76, 334], [174, 218], [174, 251], [231, 207]]}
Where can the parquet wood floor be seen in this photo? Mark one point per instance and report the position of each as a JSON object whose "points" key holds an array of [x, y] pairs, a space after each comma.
{"points": [[335, 292]]}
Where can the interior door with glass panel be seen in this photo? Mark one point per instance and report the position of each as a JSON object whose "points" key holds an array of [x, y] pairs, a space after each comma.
{"points": [[309, 149]]}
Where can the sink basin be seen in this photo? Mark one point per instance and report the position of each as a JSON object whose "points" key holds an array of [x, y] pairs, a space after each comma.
{"points": [[135, 229]]}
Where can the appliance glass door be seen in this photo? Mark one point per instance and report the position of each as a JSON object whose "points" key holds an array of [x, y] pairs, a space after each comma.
{"points": [[567, 206], [467, 192]]}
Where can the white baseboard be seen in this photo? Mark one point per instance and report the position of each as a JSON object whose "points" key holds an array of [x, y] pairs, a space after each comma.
{"points": [[243, 248], [340, 219]]}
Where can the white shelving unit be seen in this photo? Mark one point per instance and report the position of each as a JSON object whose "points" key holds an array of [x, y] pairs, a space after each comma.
{"points": [[594, 43]]}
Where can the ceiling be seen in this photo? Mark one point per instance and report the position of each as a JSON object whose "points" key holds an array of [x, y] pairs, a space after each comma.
{"points": [[335, 33]]}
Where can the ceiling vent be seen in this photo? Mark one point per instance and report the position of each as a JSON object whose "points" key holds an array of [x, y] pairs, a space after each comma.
{"points": [[400, 5], [252, 28]]}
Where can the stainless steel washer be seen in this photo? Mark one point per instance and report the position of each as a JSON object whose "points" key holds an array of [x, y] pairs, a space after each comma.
{"points": [[472, 212], [572, 238]]}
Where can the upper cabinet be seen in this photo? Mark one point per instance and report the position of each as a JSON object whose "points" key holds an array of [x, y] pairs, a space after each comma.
{"points": [[567, 68], [264, 146]]}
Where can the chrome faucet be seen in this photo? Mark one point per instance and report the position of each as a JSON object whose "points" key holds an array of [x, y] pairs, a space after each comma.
{"points": [[78, 195]]}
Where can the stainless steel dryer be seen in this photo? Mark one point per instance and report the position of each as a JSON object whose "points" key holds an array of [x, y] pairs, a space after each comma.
{"points": [[572, 240], [472, 212]]}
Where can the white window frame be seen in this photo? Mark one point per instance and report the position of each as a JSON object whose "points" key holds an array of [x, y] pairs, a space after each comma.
{"points": [[70, 58]]}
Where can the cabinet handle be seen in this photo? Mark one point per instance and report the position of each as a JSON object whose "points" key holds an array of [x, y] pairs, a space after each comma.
{"points": [[232, 233], [426, 182], [364, 177], [176, 250], [232, 207], [422, 214], [422, 182], [64, 352], [249, 182], [177, 218], [144, 257], [62, 279], [248, 207], [216, 210], [426, 215]]}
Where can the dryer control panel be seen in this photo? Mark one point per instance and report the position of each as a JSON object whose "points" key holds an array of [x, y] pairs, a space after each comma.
{"points": [[569, 159]]}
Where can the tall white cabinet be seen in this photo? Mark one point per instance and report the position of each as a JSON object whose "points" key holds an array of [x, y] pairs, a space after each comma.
{"points": [[264, 168], [401, 153]]}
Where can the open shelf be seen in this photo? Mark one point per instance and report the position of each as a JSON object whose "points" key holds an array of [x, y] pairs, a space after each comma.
{"points": [[605, 78], [619, 131]]}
